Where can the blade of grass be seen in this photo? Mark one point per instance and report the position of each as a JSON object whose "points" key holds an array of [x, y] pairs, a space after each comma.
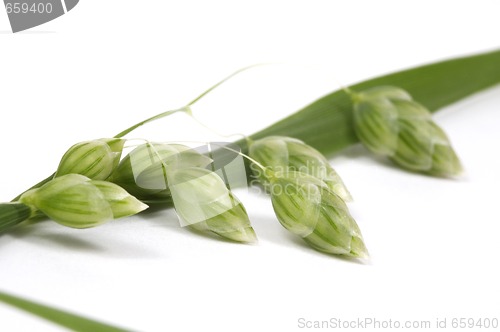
{"points": [[57, 316], [326, 124]]}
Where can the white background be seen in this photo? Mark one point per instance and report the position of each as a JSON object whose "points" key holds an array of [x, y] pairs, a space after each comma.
{"points": [[109, 64]]}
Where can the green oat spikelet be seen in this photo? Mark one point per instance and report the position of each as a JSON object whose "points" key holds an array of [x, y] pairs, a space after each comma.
{"points": [[76, 201], [203, 202], [94, 159], [284, 154], [390, 123], [307, 207]]}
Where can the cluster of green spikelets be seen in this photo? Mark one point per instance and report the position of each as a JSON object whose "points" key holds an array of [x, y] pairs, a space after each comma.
{"points": [[94, 184]]}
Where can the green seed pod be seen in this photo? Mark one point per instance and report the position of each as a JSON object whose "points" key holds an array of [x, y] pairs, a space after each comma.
{"points": [[204, 203], [94, 159], [388, 122], [143, 171], [306, 207], [120, 201], [76, 201], [284, 154], [376, 126]]}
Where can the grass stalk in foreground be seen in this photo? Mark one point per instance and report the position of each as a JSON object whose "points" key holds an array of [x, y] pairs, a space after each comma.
{"points": [[57, 316]]}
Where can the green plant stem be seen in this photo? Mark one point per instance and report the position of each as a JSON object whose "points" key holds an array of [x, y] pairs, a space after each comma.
{"points": [[12, 214], [186, 108], [151, 119], [223, 81]]}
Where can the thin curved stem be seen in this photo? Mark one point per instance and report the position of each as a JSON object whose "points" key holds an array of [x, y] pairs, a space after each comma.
{"points": [[151, 119], [223, 81], [186, 108]]}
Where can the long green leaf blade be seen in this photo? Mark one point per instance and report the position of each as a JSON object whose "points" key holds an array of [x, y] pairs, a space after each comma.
{"points": [[326, 124], [60, 317]]}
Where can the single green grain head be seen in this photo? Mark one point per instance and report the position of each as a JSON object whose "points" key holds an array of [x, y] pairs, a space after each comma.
{"points": [[389, 123], [283, 154], [94, 159], [203, 202], [307, 207], [143, 172], [76, 201]]}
